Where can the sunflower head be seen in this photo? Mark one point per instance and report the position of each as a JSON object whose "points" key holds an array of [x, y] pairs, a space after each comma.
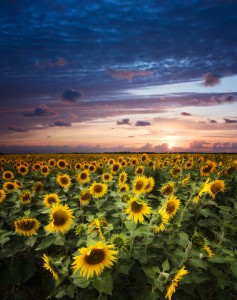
{"points": [[161, 218], [83, 177], [51, 199], [22, 169], [7, 175], [45, 170], [137, 209], [85, 197], [60, 218], [119, 241], [26, 197], [216, 187], [139, 170], [198, 240], [98, 190], [175, 171], [50, 266], [115, 168], [171, 206], [26, 226], [64, 180], [123, 176], [150, 184], [123, 188], [52, 162], [139, 185], [61, 164], [93, 259], [107, 177], [167, 189], [2, 195], [9, 186], [38, 187]]}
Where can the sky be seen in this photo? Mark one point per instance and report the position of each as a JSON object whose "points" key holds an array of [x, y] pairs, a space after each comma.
{"points": [[118, 75]]}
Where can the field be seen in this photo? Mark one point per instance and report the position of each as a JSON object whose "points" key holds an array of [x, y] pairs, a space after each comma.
{"points": [[118, 226]]}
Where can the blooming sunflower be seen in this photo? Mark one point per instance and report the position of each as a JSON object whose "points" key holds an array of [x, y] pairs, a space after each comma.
{"points": [[51, 199], [139, 184], [175, 171], [38, 187], [26, 197], [83, 177], [150, 184], [175, 282], [171, 206], [188, 165], [167, 189], [123, 188], [26, 226], [137, 209], [48, 265], [208, 168], [63, 180], [85, 197], [115, 168], [139, 170], [2, 195], [18, 184], [204, 188], [123, 176], [98, 189], [60, 218], [52, 162], [93, 259], [216, 187], [9, 186], [7, 175], [23, 170], [162, 218], [107, 177], [61, 164], [45, 170]]}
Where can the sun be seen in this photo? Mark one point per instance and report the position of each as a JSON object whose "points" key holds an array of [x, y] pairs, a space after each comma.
{"points": [[170, 146]]}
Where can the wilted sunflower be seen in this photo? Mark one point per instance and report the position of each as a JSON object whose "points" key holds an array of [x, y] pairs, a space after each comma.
{"points": [[63, 180], [107, 177], [51, 199], [98, 190], [150, 184], [48, 265], [139, 184], [94, 259], [9, 186], [26, 197], [119, 241], [216, 187], [171, 206], [85, 197], [162, 218], [175, 282], [83, 177], [60, 218], [2, 195], [167, 189], [7, 175], [137, 209], [26, 226], [23, 170]]}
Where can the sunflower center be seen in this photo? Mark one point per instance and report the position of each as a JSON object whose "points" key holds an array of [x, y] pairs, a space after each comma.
{"points": [[59, 218], [98, 188], [95, 257], [168, 190], [215, 188], [8, 175], [26, 224], [25, 196], [44, 170], [139, 185], [64, 180], [83, 176], [85, 197], [51, 200], [10, 186], [106, 176], [170, 208], [136, 207]]}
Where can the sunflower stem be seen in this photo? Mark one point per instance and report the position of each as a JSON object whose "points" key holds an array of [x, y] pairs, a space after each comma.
{"points": [[184, 210]]}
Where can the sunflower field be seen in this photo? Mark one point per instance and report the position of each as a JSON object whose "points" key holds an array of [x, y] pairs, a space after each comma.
{"points": [[118, 226]]}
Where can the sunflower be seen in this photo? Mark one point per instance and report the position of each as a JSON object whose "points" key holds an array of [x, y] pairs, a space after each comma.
{"points": [[171, 206], [51, 199], [61, 164], [52, 162], [144, 157], [123, 176], [175, 282], [48, 265], [175, 171], [198, 240], [94, 259], [119, 241], [162, 218], [85, 197], [7, 175], [185, 180], [208, 168], [139, 170], [168, 189], [216, 187], [107, 177], [83, 177], [98, 189], [45, 170], [204, 188], [123, 188], [60, 218], [63, 180], [26, 197], [208, 250], [137, 209], [18, 184], [23, 170], [26, 226], [9, 186], [188, 165], [115, 168], [97, 225], [150, 184], [139, 185], [38, 187], [2, 195]]}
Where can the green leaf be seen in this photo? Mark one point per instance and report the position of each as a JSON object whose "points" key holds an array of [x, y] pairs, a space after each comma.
{"points": [[69, 291], [150, 272], [45, 243], [27, 269], [59, 241], [165, 266], [217, 259], [123, 268], [104, 284], [130, 225], [233, 268], [198, 263], [31, 241], [81, 282]]}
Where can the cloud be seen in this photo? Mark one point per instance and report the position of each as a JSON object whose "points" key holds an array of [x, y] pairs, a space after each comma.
{"points": [[42, 110], [71, 96], [124, 122], [229, 120], [212, 121], [49, 63], [142, 123], [17, 129], [127, 74], [210, 79], [185, 114], [62, 122]]}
